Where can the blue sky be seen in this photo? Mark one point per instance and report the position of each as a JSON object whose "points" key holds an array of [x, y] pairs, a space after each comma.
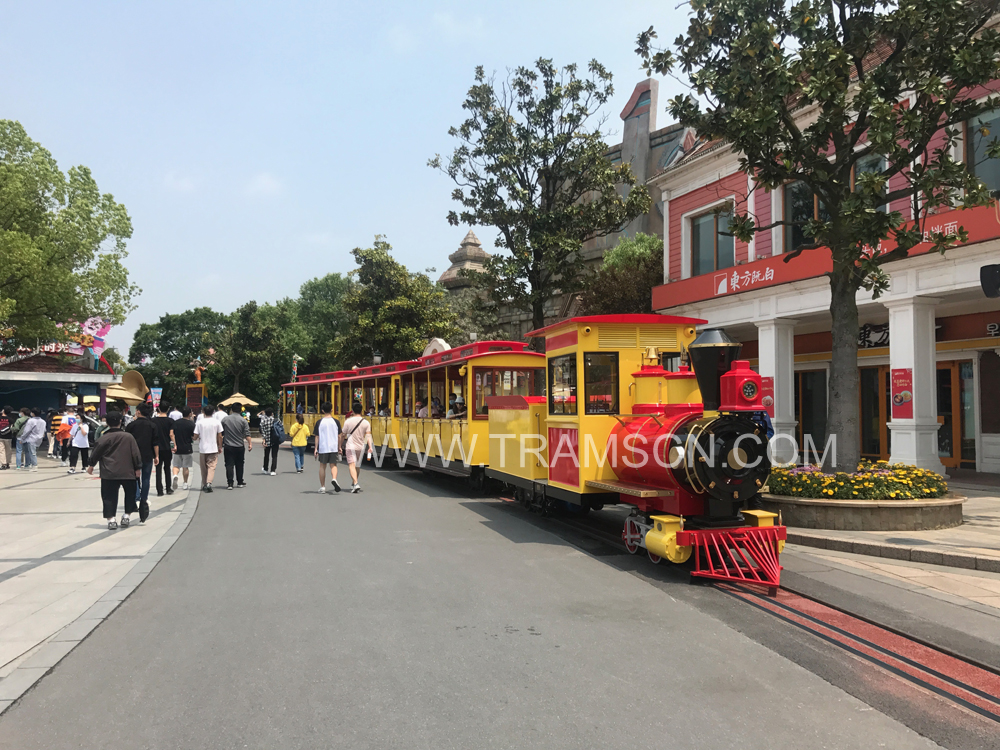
{"points": [[256, 144]]}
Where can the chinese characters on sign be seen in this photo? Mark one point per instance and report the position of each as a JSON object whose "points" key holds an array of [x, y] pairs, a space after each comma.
{"points": [[993, 329], [767, 395], [902, 393], [871, 336], [737, 281], [950, 228]]}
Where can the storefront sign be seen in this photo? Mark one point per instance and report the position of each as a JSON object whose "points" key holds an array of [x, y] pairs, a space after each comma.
{"points": [[993, 329], [767, 395], [902, 393], [195, 395], [873, 336]]}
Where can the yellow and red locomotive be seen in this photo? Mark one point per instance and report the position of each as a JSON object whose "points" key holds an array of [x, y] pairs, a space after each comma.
{"points": [[623, 409]]}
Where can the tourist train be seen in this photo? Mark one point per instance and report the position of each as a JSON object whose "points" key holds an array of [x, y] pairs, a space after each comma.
{"points": [[638, 410]]}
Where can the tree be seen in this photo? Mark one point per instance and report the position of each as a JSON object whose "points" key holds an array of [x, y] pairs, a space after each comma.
{"points": [[165, 349], [624, 282], [62, 246], [531, 161], [390, 310], [475, 316], [321, 310], [811, 92], [243, 345]]}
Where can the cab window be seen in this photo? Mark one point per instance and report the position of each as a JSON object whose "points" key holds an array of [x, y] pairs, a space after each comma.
{"points": [[562, 384], [600, 382]]}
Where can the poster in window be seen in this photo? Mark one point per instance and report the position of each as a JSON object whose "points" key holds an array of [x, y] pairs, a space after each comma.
{"points": [[902, 393], [767, 395]]}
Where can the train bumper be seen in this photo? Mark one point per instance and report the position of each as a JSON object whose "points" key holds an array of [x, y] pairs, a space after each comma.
{"points": [[745, 555]]}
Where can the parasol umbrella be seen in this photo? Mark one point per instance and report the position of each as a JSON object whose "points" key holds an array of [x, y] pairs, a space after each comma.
{"points": [[239, 398]]}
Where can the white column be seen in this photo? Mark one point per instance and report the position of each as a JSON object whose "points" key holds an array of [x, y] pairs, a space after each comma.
{"points": [[912, 346], [776, 359], [665, 204]]}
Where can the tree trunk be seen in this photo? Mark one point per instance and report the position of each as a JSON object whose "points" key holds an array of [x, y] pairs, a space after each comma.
{"points": [[236, 382], [537, 321], [843, 422]]}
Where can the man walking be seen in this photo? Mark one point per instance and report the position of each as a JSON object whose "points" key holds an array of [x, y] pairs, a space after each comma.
{"points": [[357, 436], [6, 436], [147, 436], [267, 437], [121, 464], [183, 437], [54, 420], [175, 414], [79, 442], [209, 434], [31, 436], [235, 431], [16, 429], [327, 447], [165, 426]]}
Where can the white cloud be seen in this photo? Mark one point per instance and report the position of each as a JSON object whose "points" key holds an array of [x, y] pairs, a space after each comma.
{"points": [[263, 184], [178, 183]]}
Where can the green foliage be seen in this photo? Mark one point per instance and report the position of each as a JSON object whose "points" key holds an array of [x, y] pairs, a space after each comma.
{"points": [[62, 244], [166, 349], [872, 481], [531, 161], [390, 310], [244, 347], [321, 310], [475, 316], [624, 282]]}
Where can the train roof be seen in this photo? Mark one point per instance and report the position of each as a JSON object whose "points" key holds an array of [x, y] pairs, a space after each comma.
{"points": [[475, 350], [648, 319]]}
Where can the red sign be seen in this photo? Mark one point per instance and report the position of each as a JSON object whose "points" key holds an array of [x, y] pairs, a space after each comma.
{"points": [[902, 393], [767, 395]]}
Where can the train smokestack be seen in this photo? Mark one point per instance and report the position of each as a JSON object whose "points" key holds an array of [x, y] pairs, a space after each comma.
{"points": [[712, 354]]}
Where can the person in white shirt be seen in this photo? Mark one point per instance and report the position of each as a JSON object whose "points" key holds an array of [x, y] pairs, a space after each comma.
{"points": [[327, 447], [79, 443], [357, 436], [209, 434], [175, 414]]}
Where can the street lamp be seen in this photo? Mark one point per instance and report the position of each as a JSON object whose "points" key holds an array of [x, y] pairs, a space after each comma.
{"points": [[376, 358]]}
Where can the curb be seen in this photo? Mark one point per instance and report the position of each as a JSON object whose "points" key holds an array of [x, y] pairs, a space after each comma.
{"points": [[56, 647], [896, 552]]}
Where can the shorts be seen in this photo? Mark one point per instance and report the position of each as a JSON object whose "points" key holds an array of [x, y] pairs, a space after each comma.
{"points": [[354, 456], [328, 458], [183, 461]]}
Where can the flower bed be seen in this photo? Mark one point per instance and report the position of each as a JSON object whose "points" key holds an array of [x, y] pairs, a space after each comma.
{"points": [[872, 481]]}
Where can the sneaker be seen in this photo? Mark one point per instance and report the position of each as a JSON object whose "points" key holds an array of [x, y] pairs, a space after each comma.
{"points": [[185, 486], [322, 490], [33, 468], [229, 487], [65, 463], [241, 485], [175, 483], [264, 471], [125, 522], [142, 521], [336, 486], [71, 471], [112, 524], [274, 473], [208, 488], [355, 488]]}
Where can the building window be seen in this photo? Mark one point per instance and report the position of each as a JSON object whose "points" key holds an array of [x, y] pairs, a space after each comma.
{"points": [[800, 206], [712, 245], [980, 133], [600, 382], [873, 163], [562, 384]]}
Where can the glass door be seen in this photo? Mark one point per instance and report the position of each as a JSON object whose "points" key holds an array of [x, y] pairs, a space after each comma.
{"points": [[956, 414], [874, 409], [810, 411]]}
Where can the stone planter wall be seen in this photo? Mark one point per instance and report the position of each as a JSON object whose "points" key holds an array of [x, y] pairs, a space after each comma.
{"points": [[867, 515]]}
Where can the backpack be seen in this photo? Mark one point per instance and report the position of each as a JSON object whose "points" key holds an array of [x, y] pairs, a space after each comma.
{"points": [[278, 435]]}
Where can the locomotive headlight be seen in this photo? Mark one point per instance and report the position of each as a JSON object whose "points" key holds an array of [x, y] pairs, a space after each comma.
{"points": [[749, 390]]}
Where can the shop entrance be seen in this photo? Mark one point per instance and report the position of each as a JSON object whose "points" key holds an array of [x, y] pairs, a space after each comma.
{"points": [[874, 407], [810, 412], [956, 414]]}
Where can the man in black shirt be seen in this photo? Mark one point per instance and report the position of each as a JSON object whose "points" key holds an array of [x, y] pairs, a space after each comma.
{"points": [[165, 425], [147, 436], [183, 437]]}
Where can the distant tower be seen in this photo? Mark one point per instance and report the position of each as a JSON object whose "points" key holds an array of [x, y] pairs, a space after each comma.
{"points": [[470, 255]]}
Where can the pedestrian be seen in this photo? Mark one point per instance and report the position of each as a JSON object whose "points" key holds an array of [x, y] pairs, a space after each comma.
{"points": [[267, 437], [6, 436], [121, 465], [62, 435], [147, 436], [208, 430], [175, 414], [357, 435], [299, 433], [183, 437], [19, 423], [165, 426], [102, 427], [327, 447], [221, 413], [54, 420], [79, 443], [31, 437], [235, 432]]}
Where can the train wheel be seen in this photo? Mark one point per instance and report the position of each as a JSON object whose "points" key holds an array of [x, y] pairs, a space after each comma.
{"points": [[632, 548], [655, 559]]}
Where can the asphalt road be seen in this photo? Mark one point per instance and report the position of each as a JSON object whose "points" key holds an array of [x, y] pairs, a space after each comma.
{"points": [[408, 616]]}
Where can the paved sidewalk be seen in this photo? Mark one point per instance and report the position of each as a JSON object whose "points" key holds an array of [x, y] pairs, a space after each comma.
{"points": [[58, 561], [975, 545]]}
